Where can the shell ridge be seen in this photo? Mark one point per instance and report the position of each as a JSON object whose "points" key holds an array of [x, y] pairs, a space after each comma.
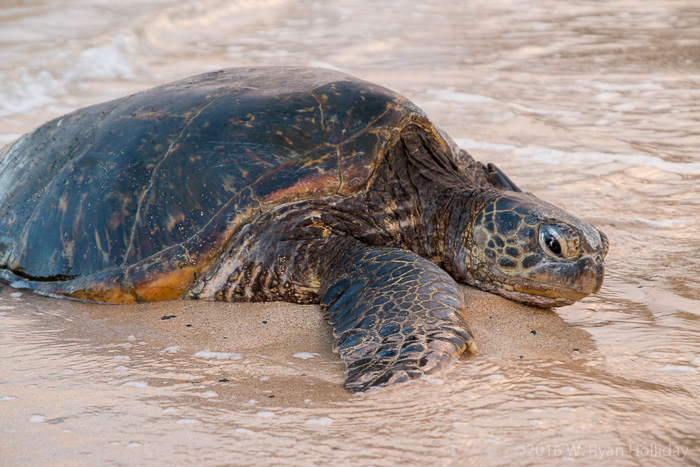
{"points": [[142, 197], [320, 108], [340, 169], [362, 132], [198, 233]]}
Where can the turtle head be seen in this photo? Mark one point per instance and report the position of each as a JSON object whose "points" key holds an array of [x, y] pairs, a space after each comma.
{"points": [[531, 251]]}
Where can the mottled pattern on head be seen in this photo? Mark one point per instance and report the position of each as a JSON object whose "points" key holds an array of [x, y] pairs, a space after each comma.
{"points": [[531, 251], [511, 235]]}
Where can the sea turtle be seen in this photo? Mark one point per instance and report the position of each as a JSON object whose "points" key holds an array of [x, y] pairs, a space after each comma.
{"points": [[286, 183]]}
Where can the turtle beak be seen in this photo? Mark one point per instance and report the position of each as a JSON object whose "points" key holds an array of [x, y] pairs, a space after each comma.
{"points": [[590, 277], [598, 263], [590, 269]]}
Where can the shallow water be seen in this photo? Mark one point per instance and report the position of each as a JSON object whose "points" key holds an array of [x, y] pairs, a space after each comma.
{"points": [[594, 106]]}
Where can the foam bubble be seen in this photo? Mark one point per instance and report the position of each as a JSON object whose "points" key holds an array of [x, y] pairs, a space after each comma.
{"points": [[305, 355], [319, 421], [136, 384], [432, 380], [29, 90], [108, 61], [218, 355], [604, 86], [460, 97], [676, 369]]}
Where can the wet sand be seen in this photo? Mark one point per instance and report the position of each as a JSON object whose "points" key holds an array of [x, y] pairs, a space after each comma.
{"points": [[244, 360], [276, 330], [291, 341]]}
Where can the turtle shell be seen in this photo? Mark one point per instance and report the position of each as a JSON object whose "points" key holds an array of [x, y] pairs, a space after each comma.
{"points": [[131, 199]]}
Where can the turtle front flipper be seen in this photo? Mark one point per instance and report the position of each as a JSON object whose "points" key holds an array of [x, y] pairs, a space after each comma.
{"points": [[395, 315]]}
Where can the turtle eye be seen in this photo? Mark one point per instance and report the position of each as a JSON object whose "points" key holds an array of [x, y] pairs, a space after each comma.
{"points": [[551, 243], [558, 241]]}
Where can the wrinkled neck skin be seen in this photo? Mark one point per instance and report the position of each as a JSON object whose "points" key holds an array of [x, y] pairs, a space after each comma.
{"points": [[423, 202]]}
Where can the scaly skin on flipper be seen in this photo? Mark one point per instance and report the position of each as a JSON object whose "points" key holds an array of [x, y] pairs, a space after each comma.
{"points": [[395, 316]]}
